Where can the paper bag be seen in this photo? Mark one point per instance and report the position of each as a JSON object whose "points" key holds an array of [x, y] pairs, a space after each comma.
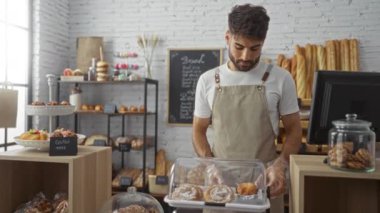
{"points": [[8, 107]]}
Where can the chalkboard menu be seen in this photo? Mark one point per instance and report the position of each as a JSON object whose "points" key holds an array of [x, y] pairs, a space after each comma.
{"points": [[185, 67]]}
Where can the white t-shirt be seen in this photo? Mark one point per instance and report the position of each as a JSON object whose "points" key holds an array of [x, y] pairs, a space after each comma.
{"points": [[280, 90]]}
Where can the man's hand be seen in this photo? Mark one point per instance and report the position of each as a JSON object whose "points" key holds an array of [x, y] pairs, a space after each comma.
{"points": [[276, 180]]}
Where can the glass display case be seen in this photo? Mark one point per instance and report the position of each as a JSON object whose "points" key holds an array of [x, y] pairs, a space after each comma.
{"points": [[132, 202], [218, 184]]}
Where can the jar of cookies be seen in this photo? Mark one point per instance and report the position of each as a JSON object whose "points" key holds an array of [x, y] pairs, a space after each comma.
{"points": [[132, 201], [352, 145]]}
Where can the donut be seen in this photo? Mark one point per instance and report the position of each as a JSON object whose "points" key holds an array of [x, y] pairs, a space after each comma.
{"points": [[219, 194], [187, 192], [246, 189]]}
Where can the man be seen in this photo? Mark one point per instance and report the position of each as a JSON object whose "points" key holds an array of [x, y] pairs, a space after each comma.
{"points": [[245, 99]]}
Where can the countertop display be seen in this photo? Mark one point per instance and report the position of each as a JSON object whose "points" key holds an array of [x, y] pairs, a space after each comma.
{"points": [[316, 187], [85, 178]]}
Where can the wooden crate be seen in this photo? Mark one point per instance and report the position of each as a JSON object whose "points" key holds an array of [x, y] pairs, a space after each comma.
{"points": [[86, 178]]}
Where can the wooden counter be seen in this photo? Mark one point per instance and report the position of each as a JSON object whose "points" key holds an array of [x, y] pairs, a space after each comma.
{"points": [[86, 177], [315, 187]]}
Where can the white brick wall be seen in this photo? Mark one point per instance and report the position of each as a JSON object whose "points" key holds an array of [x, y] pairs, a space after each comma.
{"points": [[50, 46], [195, 23]]}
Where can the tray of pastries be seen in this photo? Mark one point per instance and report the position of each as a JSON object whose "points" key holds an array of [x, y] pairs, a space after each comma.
{"points": [[230, 185], [51, 108], [40, 139]]}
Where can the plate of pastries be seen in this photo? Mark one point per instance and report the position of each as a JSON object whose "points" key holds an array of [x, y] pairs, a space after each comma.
{"points": [[40, 139], [50, 108]]}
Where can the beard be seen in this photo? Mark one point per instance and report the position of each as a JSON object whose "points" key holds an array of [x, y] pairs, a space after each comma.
{"points": [[242, 65]]}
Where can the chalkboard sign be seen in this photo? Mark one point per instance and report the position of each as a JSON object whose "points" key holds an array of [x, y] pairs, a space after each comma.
{"points": [[63, 146], [185, 67]]}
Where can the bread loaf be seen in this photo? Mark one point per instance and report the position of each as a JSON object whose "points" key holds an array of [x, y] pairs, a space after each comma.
{"points": [[280, 58], [161, 163], [309, 68], [286, 64], [131, 172], [354, 54], [345, 51], [338, 65], [321, 57], [330, 55], [138, 182], [301, 73], [293, 69]]}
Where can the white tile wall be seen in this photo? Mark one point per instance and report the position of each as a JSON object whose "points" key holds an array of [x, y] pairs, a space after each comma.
{"points": [[181, 23]]}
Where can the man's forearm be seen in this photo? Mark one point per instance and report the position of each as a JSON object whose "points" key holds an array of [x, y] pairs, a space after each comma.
{"points": [[201, 145], [292, 145]]}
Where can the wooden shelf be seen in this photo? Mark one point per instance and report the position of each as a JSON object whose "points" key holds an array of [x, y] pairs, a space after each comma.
{"points": [[86, 177], [304, 124], [318, 188], [114, 114]]}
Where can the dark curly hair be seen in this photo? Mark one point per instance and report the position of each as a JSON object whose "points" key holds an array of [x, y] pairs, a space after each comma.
{"points": [[248, 20]]}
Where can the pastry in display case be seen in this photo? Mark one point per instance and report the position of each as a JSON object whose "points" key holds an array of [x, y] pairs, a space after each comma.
{"points": [[132, 202], [211, 183], [40, 203]]}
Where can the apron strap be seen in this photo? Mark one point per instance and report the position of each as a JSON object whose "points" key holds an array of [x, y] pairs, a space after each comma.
{"points": [[217, 80], [266, 74]]}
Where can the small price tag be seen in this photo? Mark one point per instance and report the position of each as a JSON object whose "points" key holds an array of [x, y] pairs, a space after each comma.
{"points": [[125, 182], [100, 143], [124, 147], [162, 180], [110, 108], [63, 146]]}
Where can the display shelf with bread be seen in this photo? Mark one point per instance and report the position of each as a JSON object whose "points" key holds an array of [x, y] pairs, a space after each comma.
{"points": [[83, 178], [130, 112]]}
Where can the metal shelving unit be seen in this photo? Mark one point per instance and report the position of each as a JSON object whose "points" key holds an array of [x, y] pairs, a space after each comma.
{"points": [[146, 82]]}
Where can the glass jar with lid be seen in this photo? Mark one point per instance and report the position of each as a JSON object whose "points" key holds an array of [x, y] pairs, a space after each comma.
{"points": [[131, 202], [352, 145]]}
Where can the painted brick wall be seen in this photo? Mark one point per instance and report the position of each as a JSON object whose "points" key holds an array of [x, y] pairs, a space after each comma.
{"points": [[50, 46], [188, 24]]}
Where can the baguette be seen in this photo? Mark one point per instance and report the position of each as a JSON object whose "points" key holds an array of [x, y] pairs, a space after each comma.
{"points": [[280, 58], [338, 64], [161, 163], [330, 55], [286, 64], [301, 75], [321, 57], [345, 50], [354, 54], [314, 65], [293, 69], [309, 68]]}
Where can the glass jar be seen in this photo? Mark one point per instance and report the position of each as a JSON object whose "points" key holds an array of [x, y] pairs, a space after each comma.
{"points": [[352, 145], [75, 98], [132, 201]]}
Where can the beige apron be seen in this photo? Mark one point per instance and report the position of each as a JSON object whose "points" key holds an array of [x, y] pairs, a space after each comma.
{"points": [[242, 127]]}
